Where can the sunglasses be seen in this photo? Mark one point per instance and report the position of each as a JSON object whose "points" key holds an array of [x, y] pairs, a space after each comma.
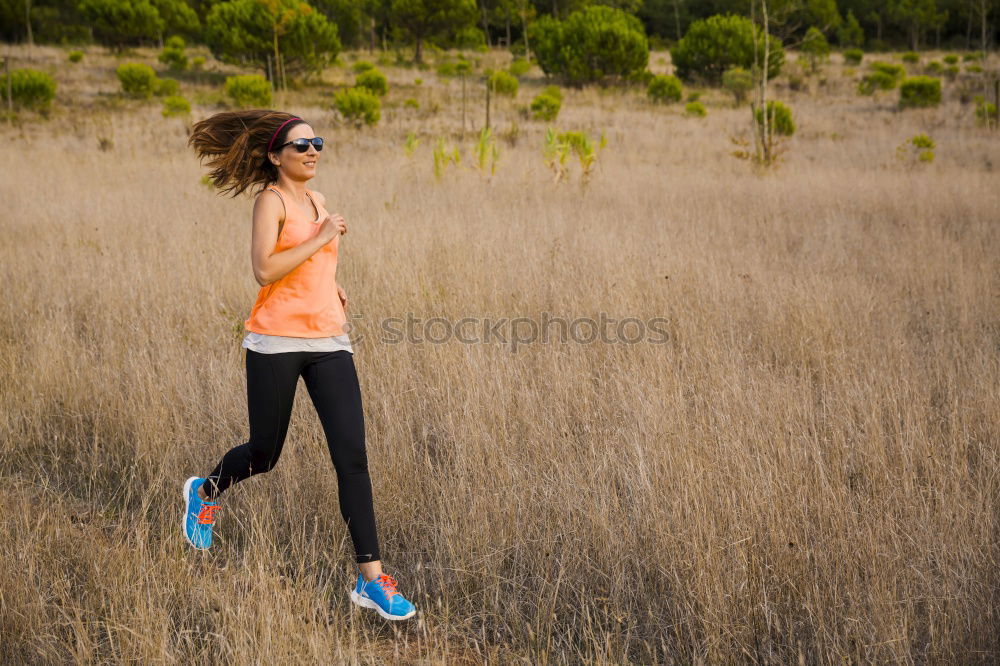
{"points": [[302, 145]]}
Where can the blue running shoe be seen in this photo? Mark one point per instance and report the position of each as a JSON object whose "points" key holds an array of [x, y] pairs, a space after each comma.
{"points": [[199, 516], [381, 594]]}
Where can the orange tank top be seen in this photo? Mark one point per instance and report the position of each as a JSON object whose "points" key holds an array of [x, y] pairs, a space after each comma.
{"points": [[304, 303]]}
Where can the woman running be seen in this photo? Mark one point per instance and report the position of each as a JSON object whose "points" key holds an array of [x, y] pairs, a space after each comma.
{"points": [[296, 327]]}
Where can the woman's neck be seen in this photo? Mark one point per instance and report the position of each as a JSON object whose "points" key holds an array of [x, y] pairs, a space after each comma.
{"points": [[296, 188]]}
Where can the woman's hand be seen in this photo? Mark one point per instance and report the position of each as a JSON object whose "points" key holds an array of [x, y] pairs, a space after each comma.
{"points": [[332, 225], [343, 296]]}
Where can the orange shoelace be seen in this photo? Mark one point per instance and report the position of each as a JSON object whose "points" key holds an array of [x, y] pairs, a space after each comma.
{"points": [[207, 514], [388, 585]]}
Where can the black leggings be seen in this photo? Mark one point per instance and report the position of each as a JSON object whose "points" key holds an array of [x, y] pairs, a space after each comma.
{"points": [[333, 386]]}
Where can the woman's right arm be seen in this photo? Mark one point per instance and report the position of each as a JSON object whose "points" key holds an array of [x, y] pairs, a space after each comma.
{"points": [[270, 266]]}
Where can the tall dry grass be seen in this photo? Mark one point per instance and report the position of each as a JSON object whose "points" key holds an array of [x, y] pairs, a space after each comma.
{"points": [[806, 471]]}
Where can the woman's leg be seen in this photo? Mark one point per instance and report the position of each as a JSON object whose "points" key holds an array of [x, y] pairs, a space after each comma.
{"points": [[336, 394], [271, 380]]}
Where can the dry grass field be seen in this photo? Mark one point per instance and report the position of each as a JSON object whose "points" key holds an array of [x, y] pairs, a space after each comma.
{"points": [[805, 471]]}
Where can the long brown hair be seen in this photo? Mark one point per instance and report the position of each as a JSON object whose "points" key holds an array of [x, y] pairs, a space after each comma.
{"points": [[235, 144]]}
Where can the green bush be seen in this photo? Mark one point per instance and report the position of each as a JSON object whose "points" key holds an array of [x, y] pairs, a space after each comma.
{"points": [[592, 43], [854, 56], [974, 55], [920, 91], [695, 109], [172, 54], [167, 87], [553, 91], [951, 71], [175, 105], [986, 112], [372, 80], [519, 67], [896, 71], [502, 83], [815, 47], [411, 103], [974, 69], [951, 59], [362, 66], [739, 82], [911, 57], [137, 79], [75, 56], [249, 90], [447, 69], [198, 63], [545, 107], [779, 118], [358, 105], [713, 45], [883, 76], [665, 89], [29, 89], [933, 67]]}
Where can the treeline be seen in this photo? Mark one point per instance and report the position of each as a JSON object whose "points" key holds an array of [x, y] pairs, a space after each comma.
{"points": [[386, 24]]}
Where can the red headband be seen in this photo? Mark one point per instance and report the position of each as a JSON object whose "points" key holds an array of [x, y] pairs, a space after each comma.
{"points": [[271, 142]]}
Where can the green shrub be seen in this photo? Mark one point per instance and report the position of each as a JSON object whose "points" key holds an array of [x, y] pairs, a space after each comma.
{"points": [[173, 54], [779, 118], [695, 109], [713, 45], [411, 103], [519, 67], [198, 63], [951, 71], [986, 112], [854, 56], [75, 56], [815, 47], [895, 71], [592, 43], [883, 76], [358, 105], [665, 89], [362, 66], [175, 105], [951, 59], [137, 79], [502, 83], [643, 78], [372, 80], [975, 55], [933, 67], [447, 69], [249, 90], [553, 91], [920, 146], [29, 89], [974, 69], [920, 91], [739, 82], [911, 57], [167, 87], [545, 107]]}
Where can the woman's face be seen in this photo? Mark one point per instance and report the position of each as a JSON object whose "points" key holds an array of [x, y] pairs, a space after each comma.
{"points": [[296, 165]]}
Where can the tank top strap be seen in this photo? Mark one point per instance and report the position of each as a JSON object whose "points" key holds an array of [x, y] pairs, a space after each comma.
{"points": [[281, 224]]}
